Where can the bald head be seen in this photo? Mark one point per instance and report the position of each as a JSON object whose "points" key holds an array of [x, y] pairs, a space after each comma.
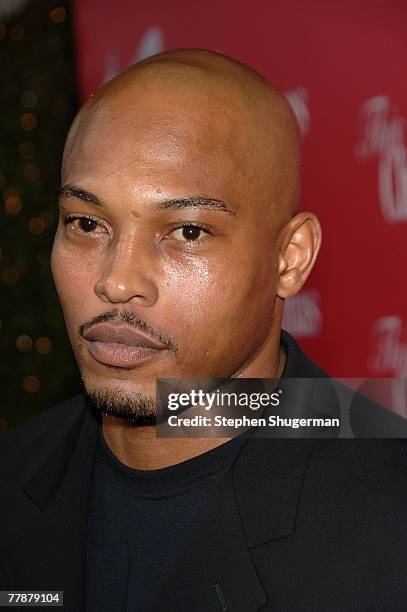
{"points": [[236, 124]]}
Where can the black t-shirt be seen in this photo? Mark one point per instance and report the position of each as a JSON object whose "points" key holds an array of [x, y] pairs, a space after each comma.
{"points": [[139, 520]]}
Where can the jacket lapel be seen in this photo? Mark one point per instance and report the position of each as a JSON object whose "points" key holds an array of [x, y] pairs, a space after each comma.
{"points": [[49, 552], [215, 571], [257, 504]]}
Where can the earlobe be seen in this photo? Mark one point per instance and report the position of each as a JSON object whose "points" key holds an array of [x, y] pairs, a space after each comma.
{"points": [[299, 250]]}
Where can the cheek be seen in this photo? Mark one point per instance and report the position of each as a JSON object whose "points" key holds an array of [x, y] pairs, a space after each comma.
{"points": [[73, 275], [208, 297], [220, 313], [188, 284], [195, 289]]}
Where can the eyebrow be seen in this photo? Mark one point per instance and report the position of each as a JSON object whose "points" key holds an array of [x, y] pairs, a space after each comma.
{"points": [[205, 202]]}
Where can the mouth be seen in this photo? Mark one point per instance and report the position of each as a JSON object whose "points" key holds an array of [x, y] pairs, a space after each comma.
{"points": [[121, 355], [121, 346]]}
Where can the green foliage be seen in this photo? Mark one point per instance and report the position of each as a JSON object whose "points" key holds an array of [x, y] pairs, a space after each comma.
{"points": [[37, 105]]}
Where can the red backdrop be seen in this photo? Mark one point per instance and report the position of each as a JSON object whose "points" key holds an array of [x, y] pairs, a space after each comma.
{"points": [[343, 66]]}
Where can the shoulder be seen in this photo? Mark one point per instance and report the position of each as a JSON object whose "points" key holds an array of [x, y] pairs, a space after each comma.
{"points": [[298, 364], [27, 446], [359, 455], [358, 473]]}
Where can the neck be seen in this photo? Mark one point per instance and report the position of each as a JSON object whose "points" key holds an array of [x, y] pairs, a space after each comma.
{"points": [[140, 448]]}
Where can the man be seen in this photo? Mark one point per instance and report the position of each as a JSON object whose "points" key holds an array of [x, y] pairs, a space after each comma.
{"points": [[179, 239]]}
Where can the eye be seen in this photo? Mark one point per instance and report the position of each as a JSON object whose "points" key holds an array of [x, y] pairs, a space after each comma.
{"points": [[189, 233], [84, 225]]}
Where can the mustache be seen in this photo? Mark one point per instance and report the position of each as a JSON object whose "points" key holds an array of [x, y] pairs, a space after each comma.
{"points": [[135, 321]]}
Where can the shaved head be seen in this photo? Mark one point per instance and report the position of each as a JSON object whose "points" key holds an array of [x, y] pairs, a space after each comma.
{"points": [[179, 217], [218, 99]]}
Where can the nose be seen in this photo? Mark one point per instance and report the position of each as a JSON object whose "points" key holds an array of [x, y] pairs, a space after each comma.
{"points": [[128, 274]]}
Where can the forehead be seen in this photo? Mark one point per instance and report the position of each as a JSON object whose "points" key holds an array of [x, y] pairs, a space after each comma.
{"points": [[170, 141]]}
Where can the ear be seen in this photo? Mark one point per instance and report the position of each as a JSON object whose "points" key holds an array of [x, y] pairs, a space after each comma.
{"points": [[299, 250]]}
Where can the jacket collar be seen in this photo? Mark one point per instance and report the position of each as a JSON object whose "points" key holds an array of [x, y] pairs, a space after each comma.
{"points": [[44, 485]]}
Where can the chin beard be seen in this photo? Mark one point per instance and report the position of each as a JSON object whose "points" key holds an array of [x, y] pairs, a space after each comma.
{"points": [[135, 408]]}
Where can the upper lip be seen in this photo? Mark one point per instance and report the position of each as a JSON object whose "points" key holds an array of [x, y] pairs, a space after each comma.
{"points": [[123, 334]]}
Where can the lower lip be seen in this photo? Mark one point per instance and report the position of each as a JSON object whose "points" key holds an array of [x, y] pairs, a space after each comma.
{"points": [[121, 355]]}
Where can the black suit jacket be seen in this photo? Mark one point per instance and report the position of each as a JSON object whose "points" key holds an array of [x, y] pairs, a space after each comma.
{"points": [[299, 525]]}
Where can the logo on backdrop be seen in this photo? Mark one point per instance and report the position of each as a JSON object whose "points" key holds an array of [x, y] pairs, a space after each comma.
{"points": [[298, 98], [384, 137], [302, 314], [151, 42], [391, 352], [390, 355]]}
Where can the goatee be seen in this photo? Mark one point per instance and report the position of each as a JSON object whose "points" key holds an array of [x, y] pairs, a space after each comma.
{"points": [[135, 408]]}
